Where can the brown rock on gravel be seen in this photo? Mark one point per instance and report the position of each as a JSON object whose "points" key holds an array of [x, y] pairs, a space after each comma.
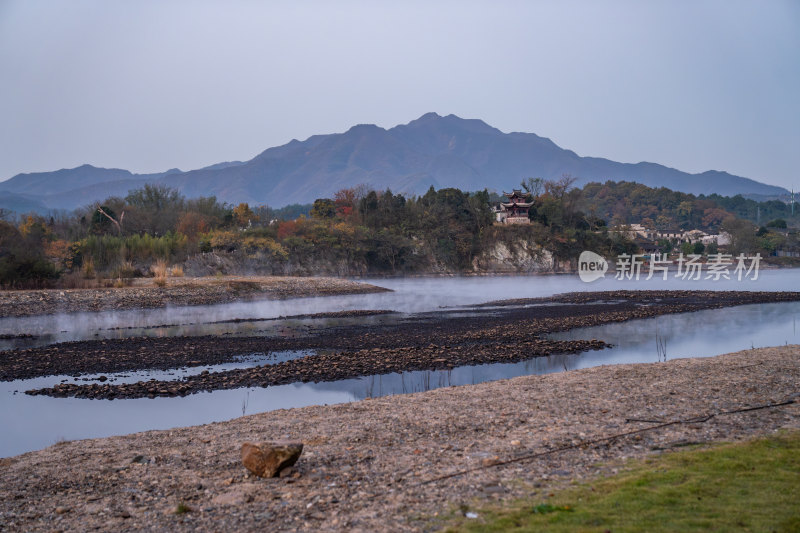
{"points": [[269, 458], [398, 463]]}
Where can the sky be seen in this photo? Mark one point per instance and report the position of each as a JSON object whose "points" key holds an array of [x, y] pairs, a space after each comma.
{"points": [[152, 85]]}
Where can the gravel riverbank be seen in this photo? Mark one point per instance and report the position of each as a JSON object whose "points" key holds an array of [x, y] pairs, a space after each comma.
{"points": [[373, 465], [177, 291]]}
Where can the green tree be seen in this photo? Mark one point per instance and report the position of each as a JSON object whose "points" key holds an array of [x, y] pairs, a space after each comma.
{"points": [[777, 223], [104, 220], [323, 208], [743, 235], [22, 261]]}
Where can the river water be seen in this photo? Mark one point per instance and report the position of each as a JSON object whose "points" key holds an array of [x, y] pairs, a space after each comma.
{"points": [[34, 422]]}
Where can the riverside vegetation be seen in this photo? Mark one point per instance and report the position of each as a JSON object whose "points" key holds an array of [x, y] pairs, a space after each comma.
{"points": [[357, 232], [746, 486]]}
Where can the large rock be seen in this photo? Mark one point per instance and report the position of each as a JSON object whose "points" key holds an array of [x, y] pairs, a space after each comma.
{"points": [[269, 458]]}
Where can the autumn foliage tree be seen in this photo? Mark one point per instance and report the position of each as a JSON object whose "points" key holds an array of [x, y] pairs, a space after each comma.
{"points": [[244, 216]]}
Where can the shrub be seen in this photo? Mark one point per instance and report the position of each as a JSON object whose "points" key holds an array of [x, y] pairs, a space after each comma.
{"points": [[22, 263], [159, 269], [106, 251], [123, 270], [227, 241], [88, 269]]}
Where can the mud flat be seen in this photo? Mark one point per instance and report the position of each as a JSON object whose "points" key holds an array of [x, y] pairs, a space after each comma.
{"points": [[177, 291], [395, 463]]}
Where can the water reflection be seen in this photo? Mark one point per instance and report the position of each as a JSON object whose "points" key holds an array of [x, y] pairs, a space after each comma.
{"points": [[33, 422], [175, 374]]}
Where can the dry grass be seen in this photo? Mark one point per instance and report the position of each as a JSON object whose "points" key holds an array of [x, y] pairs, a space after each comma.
{"points": [[75, 280], [159, 270], [123, 270], [176, 271], [87, 268]]}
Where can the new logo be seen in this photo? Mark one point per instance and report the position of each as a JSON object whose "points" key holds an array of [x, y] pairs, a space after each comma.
{"points": [[591, 266]]}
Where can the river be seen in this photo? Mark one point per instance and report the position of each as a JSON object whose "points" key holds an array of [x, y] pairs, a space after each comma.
{"points": [[32, 423]]}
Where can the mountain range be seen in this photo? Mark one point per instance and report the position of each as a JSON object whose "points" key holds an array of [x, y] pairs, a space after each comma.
{"points": [[430, 151]]}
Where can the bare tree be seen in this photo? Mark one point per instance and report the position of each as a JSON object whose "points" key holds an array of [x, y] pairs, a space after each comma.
{"points": [[533, 186], [117, 223], [560, 187]]}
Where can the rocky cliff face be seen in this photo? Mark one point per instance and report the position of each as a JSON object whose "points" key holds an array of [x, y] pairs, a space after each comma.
{"points": [[260, 264], [519, 256]]}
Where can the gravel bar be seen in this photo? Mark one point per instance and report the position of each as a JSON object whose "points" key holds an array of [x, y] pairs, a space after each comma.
{"points": [[177, 292]]}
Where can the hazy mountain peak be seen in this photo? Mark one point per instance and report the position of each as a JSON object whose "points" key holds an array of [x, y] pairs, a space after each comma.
{"points": [[430, 115], [364, 129], [452, 124], [447, 151]]}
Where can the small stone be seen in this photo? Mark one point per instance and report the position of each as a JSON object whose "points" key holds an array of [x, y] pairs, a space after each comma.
{"points": [[269, 458], [490, 461], [62, 510]]}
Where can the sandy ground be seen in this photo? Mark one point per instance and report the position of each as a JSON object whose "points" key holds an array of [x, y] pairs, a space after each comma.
{"points": [[373, 465], [177, 291]]}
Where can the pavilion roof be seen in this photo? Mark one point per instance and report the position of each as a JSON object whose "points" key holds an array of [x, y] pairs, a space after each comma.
{"points": [[516, 193]]}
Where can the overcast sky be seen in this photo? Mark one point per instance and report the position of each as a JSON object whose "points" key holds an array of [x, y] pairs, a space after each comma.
{"points": [[150, 85]]}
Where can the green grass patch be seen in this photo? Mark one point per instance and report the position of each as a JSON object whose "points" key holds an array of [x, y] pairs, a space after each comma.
{"points": [[750, 486]]}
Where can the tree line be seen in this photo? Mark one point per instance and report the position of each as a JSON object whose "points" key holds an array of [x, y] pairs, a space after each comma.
{"points": [[357, 231]]}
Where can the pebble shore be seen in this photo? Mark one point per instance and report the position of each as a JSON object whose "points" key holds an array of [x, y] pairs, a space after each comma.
{"points": [[372, 465]]}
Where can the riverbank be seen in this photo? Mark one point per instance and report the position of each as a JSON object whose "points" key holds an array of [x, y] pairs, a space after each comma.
{"points": [[145, 294], [375, 465]]}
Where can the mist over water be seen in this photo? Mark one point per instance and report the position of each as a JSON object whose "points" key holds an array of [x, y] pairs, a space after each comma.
{"points": [[410, 295], [34, 422]]}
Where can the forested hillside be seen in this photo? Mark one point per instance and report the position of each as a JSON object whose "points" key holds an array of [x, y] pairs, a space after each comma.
{"points": [[627, 203]]}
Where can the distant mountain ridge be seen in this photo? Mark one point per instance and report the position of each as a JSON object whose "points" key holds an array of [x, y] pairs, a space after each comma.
{"points": [[430, 151]]}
